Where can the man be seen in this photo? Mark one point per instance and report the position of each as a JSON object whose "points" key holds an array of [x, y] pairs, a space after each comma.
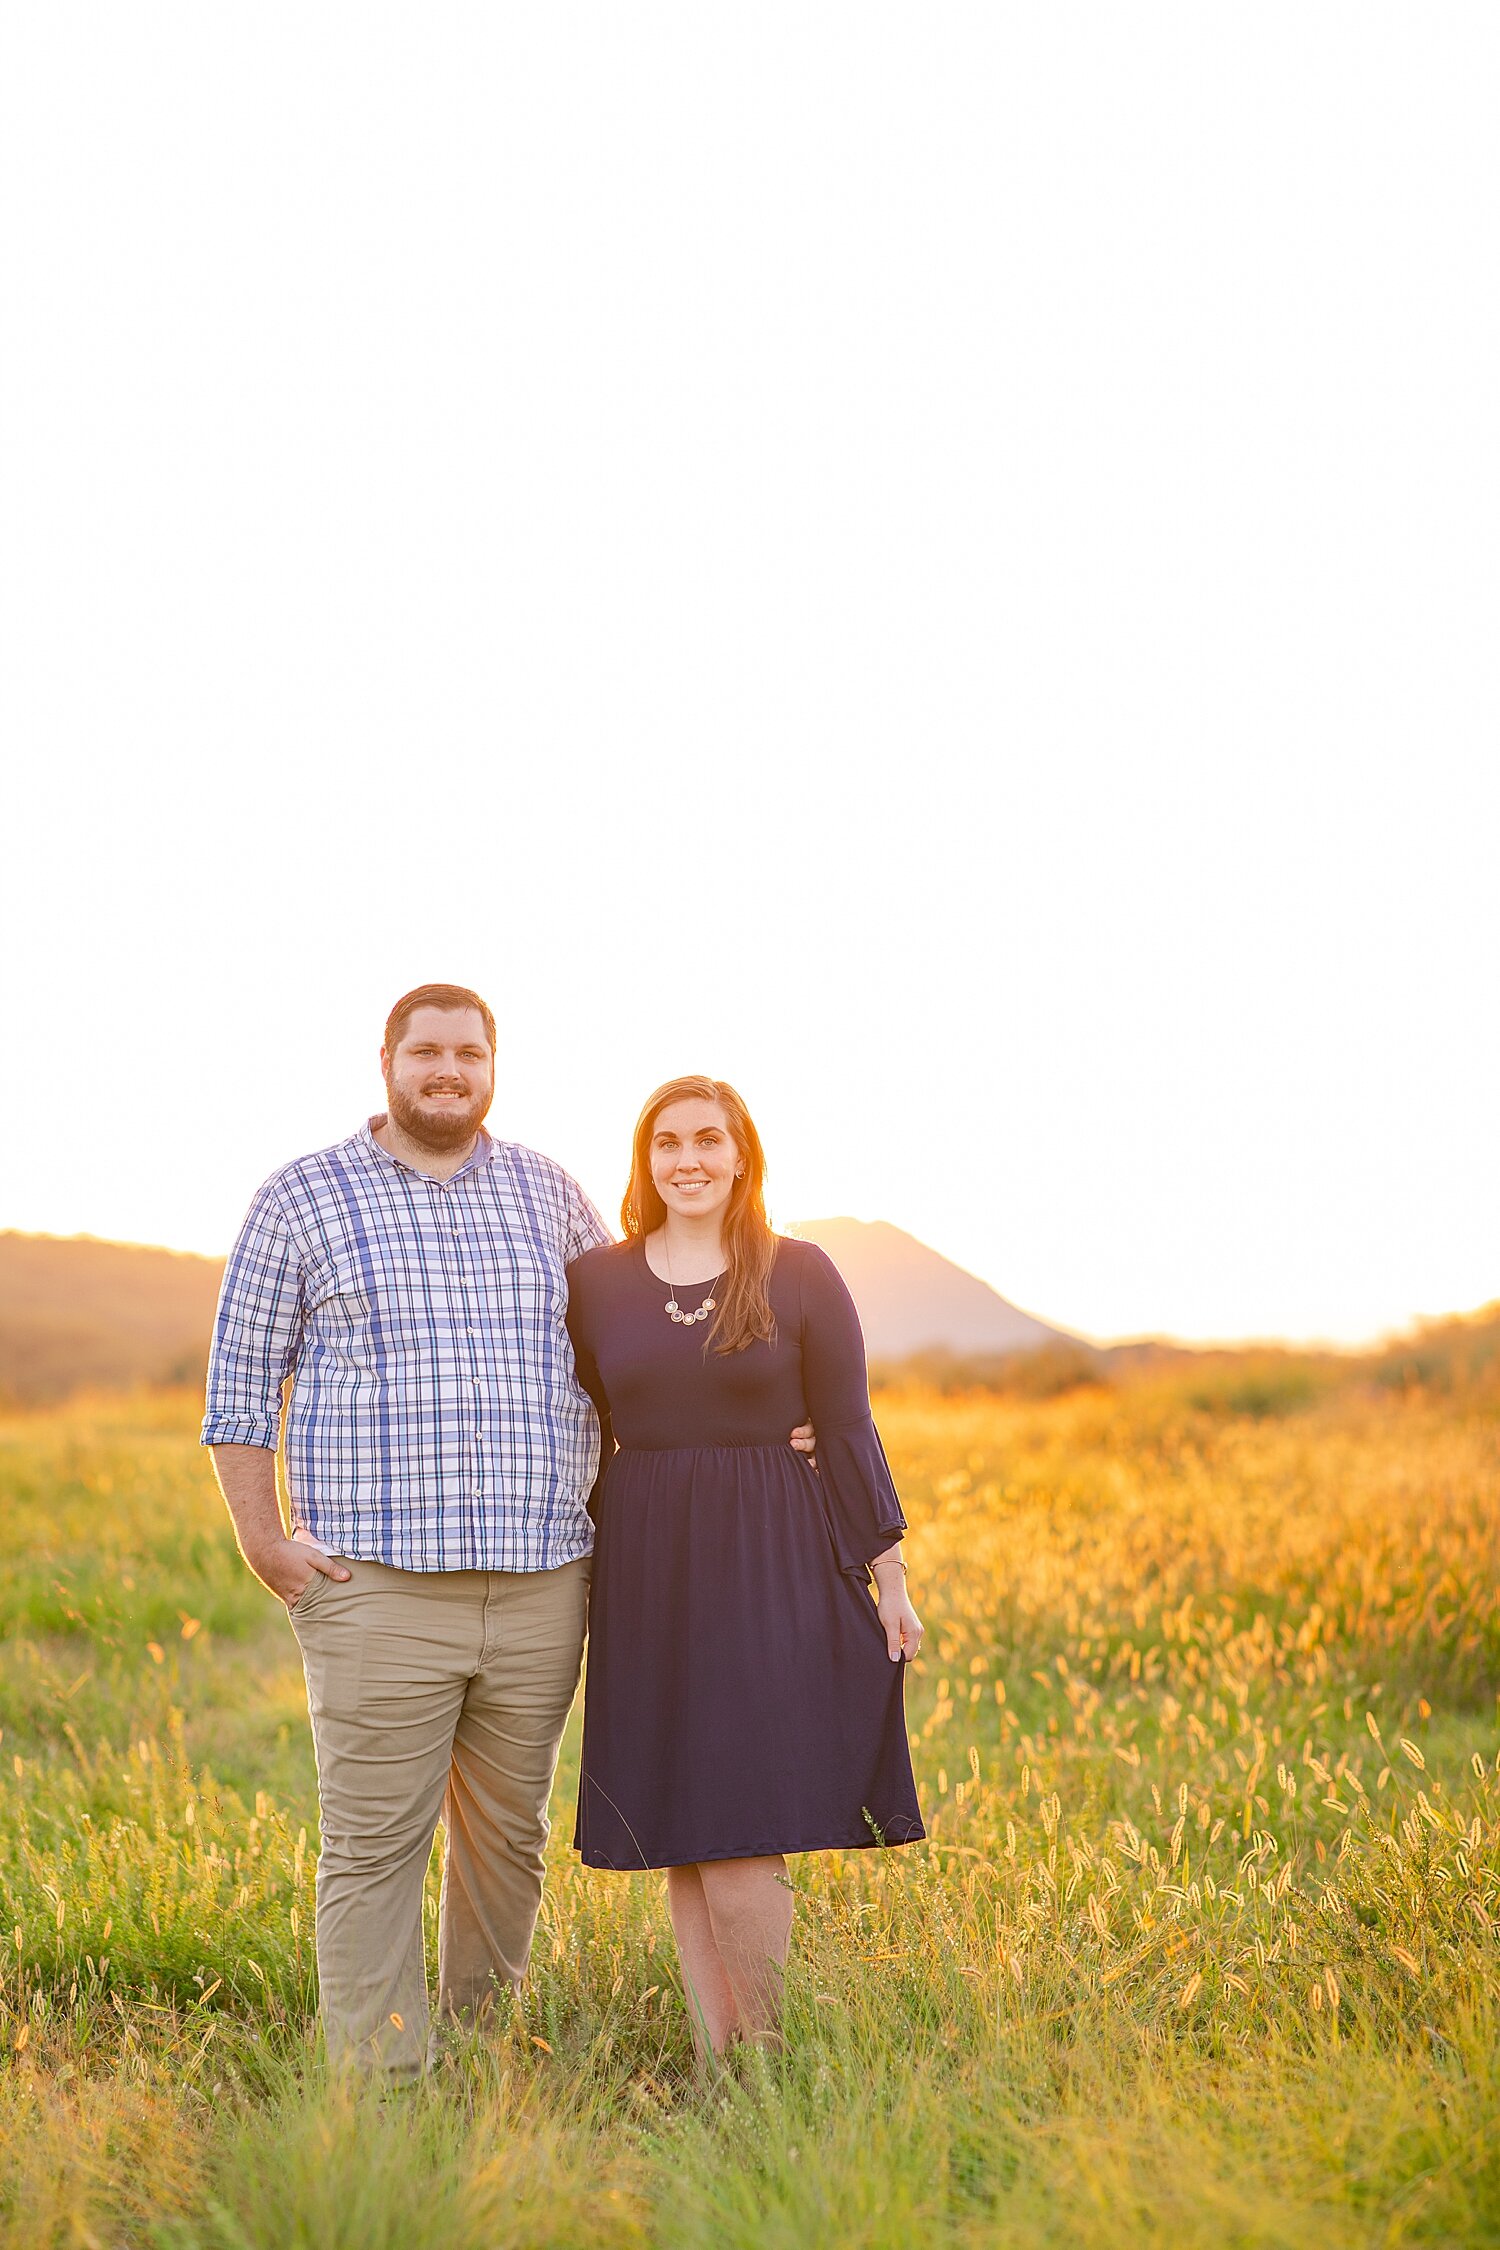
{"points": [[439, 1458]]}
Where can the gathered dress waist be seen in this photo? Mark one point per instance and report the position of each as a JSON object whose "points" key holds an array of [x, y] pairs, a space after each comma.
{"points": [[722, 1445]]}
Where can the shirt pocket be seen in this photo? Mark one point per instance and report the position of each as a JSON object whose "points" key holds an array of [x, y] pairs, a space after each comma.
{"points": [[527, 1283]]}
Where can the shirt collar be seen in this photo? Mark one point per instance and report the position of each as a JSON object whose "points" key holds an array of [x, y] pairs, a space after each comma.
{"points": [[483, 1152]]}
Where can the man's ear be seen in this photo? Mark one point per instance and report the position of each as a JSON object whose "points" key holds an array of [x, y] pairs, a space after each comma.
{"points": [[383, 1065]]}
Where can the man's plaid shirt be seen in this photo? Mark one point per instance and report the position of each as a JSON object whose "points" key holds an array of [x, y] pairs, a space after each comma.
{"points": [[435, 1422]]}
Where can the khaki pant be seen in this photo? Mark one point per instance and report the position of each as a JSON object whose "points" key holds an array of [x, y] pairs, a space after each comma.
{"points": [[431, 1692]]}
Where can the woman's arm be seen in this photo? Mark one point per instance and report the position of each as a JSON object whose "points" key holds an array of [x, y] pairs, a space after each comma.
{"points": [[866, 1513], [903, 1627], [586, 1367]]}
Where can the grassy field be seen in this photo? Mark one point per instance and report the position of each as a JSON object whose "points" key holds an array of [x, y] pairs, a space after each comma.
{"points": [[1205, 1947]]}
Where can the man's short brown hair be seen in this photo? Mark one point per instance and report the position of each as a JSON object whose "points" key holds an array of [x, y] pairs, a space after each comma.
{"points": [[434, 996]]}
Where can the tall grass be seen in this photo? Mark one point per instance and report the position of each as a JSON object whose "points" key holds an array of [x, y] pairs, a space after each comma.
{"points": [[1204, 1945]]}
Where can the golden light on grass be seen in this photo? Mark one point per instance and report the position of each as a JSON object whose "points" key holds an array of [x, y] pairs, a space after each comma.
{"points": [[1172, 1864]]}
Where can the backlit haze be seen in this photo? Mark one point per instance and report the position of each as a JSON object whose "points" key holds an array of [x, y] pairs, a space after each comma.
{"points": [[940, 565]]}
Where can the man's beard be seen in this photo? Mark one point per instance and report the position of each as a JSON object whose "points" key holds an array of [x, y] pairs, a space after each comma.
{"points": [[439, 1131]]}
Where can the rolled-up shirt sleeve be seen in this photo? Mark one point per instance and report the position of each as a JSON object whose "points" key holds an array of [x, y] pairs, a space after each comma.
{"points": [[257, 1330]]}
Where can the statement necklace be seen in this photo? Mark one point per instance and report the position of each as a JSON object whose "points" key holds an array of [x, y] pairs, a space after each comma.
{"points": [[674, 1311]]}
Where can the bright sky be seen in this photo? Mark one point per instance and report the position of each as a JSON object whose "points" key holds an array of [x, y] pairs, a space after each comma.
{"points": [[939, 563]]}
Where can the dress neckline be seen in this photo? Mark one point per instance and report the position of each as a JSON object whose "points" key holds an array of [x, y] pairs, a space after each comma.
{"points": [[660, 1281]]}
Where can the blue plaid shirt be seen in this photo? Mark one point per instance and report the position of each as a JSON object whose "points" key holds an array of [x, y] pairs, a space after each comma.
{"points": [[436, 1422]]}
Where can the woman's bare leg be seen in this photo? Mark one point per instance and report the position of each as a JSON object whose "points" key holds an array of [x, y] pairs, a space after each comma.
{"points": [[711, 2008], [750, 1913]]}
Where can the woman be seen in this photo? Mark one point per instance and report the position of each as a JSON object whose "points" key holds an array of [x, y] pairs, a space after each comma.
{"points": [[744, 1694]]}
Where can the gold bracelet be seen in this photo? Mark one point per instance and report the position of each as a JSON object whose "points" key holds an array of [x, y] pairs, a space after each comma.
{"points": [[882, 1560]]}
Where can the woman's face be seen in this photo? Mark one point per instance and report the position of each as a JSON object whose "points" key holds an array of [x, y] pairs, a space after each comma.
{"points": [[693, 1158]]}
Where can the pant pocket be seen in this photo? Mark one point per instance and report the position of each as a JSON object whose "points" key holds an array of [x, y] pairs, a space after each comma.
{"points": [[308, 1595]]}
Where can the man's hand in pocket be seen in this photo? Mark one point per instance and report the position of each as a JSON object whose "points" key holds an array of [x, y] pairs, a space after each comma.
{"points": [[288, 1566]]}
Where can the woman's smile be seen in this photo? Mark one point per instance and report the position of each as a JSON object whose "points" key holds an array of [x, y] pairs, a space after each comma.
{"points": [[694, 1158]]}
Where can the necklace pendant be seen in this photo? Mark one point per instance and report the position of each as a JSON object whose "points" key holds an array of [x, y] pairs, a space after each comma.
{"points": [[681, 1319]]}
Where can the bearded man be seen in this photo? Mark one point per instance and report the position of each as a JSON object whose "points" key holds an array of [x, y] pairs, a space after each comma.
{"points": [[411, 1281]]}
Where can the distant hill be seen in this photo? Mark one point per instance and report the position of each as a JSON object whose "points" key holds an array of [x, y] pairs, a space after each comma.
{"points": [[79, 1314], [912, 1300], [76, 1314]]}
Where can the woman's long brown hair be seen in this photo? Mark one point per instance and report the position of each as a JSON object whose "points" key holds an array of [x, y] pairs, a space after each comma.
{"points": [[744, 1315]]}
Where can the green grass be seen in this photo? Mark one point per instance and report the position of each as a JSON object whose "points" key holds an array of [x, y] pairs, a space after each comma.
{"points": [[1203, 1948]]}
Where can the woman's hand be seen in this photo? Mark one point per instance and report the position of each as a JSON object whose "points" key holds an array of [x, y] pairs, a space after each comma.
{"points": [[903, 1627]]}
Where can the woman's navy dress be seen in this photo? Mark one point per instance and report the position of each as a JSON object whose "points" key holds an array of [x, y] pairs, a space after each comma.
{"points": [[739, 1699]]}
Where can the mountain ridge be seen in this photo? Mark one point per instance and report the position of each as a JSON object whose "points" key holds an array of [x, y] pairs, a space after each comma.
{"points": [[912, 1299], [78, 1312]]}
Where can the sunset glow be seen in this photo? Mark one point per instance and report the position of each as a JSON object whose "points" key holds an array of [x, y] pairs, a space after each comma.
{"points": [[978, 638]]}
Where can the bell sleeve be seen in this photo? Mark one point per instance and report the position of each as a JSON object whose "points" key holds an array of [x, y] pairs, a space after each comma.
{"points": [[864, 1514]]}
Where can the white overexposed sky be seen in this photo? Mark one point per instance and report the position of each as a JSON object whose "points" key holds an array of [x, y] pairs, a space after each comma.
{"points": [[941, 564]]}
